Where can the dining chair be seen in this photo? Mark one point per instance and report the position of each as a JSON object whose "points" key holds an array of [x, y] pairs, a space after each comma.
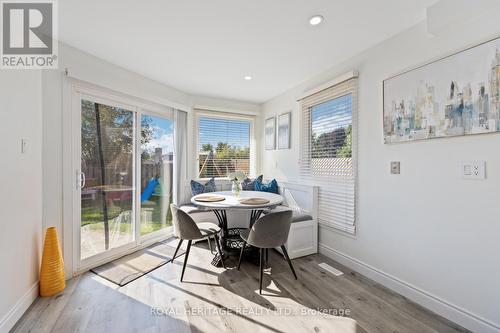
{"points": [[268, 232], [186, 229]]}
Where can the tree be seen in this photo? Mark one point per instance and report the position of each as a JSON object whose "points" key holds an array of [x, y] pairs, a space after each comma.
{"points": [[346, 150], [103, 175], [222, 147], [207, 147], [223, 160], [147, 132], [326, 145], [118, 132]]}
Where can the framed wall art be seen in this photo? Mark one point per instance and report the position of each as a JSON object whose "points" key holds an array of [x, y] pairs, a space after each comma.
{"points": [[284, 129], [453, 96], [270, 133]]}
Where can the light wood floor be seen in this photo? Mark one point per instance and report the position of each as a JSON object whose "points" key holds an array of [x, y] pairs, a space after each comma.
{"points": [[216, 300]]}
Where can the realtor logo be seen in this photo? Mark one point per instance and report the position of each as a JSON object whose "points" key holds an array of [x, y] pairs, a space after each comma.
{"points": [[29, 38]]}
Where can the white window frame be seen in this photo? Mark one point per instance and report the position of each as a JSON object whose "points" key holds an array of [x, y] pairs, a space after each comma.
{"points": [[322, 182], [223, 115]]}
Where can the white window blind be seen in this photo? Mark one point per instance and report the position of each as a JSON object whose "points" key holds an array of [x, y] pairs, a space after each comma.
{"points": [[328, 152], [223, 145]]}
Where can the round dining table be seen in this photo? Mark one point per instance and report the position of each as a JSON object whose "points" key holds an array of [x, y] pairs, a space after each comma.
{"points": [[254, 201]]}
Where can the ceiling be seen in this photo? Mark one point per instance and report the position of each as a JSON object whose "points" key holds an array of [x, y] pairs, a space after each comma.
{"points": [[206, 47]]}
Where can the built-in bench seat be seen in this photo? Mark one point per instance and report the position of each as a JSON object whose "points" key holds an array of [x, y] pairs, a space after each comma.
{"points": [[297, 216], [303, 201], [204, 215]]}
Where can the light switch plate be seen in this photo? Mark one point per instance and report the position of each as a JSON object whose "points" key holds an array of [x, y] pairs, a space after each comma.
{"points": [[23, 146], [395, 168], [473, 170]]}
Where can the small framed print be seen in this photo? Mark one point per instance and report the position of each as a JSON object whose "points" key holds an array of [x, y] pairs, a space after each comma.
{"points": [[270, 133], [284, 121]]}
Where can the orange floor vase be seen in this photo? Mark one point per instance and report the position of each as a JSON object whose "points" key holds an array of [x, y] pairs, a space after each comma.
{"points": [[52, 270]]}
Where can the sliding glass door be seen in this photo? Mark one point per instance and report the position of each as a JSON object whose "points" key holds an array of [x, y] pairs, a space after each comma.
{"points": [[157, 169], [107, 178], [124, 168]]}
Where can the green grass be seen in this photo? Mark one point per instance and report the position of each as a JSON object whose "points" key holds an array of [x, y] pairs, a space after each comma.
{"points": [[92, 216]]}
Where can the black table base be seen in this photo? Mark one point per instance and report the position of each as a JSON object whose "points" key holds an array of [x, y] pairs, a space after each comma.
{"points": [[231, 240]]}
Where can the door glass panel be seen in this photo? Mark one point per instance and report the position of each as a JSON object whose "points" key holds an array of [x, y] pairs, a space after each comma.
{"points": [[107, 185], [157, 153]]}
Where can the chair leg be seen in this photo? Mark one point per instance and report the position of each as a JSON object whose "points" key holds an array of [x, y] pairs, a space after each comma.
{"points": [[283, 248], [241, 254], [219, 250], [261, 254], [267, 256], [210, 244], [186, 258], [177, 249]]}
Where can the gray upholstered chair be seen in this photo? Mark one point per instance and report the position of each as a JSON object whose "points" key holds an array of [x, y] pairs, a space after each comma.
{"points": [[186, 229], [268, 232]]}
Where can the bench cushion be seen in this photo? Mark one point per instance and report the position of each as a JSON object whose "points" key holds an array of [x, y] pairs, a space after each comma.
{"points": [[297, 216]]}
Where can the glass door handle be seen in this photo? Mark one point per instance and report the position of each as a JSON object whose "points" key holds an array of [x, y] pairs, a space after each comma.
{"points": [[80, 179]]}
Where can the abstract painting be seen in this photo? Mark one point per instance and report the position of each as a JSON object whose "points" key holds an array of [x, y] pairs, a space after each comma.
{"points": [[270, 133], [453, 96], [284, 130]]}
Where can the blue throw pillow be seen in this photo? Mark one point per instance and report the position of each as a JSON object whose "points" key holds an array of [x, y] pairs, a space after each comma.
{"points": [[271, 187], [199, 188], [249, 184]]}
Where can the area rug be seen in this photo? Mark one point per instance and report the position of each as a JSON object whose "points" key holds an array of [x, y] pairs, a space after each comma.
{"points": [[131, 267]]}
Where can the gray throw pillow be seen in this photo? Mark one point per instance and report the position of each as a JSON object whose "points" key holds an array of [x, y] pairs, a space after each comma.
{"points": [[249, 184]]}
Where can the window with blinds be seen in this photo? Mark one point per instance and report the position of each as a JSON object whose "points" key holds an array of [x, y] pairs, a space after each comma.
{"points": [[328, 152], [223, 146]]}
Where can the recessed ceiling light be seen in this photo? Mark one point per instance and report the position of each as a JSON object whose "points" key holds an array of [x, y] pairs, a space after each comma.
{"points": [[316, 20], [247, 77]]}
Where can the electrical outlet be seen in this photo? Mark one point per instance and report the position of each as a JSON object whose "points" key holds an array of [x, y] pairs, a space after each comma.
{"points": [[473, 170]]}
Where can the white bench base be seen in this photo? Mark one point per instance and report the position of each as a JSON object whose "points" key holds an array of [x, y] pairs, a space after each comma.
{"points": [[302, 240], [303, 236]]}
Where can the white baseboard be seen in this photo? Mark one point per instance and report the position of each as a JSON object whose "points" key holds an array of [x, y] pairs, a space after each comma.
{"points": [[452, 312], [11, 318]]}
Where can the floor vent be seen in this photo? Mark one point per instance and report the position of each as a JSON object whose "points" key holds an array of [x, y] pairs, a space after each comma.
{"points": [[330, 269]]}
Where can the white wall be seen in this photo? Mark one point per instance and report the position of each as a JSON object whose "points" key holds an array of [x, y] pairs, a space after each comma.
{"points": [[25, 211], [20, 192], [444, 244], [425, 233], [88, 68]]}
